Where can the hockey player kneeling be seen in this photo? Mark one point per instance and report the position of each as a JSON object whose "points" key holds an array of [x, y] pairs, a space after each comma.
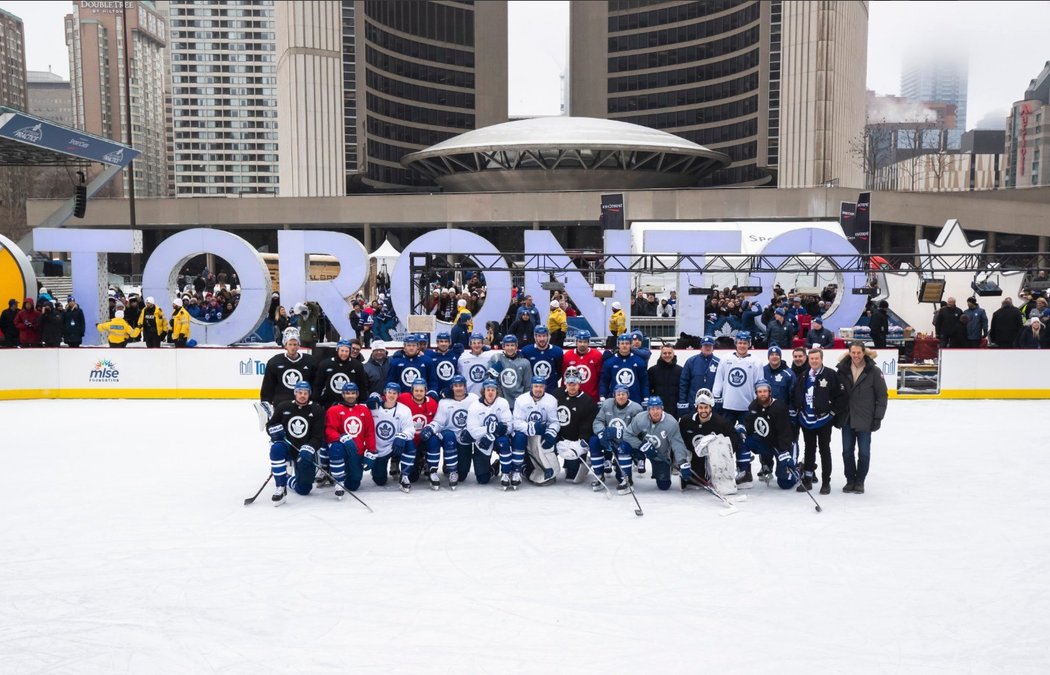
{"points": [[714, 442], [576, 413], [536, 431], [296, 430], [654, 436], [488, 423], [448, 433], [768, 429], [395, 431]]}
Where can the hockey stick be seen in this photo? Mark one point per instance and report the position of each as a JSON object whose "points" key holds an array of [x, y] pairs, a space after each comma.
{"points": [[809, 492], [725, 500], [587, 463], [349, 492], [255, 496], [637, 511]]}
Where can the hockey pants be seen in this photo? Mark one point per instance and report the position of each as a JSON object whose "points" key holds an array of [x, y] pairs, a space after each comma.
{"points": [[281, 452], [346, 464], [661, 468]]}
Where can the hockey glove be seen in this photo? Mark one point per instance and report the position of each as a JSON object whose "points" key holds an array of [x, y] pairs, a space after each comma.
{"points": [[485, 444], [537, 428], [875, 424], [368, 460], [548, 441], [685, 471], [718, 405], [740, 429], [787, 460], [501, 429], [306, 453], [347, 440], [648, 450], [464, 438], [426, 433], [374, 401], [683, 409], [433, 394], [276, 433], [613, 434]]}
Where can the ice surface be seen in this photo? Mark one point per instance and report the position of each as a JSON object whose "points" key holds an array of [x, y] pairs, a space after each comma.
{"points": [[127, 550]]}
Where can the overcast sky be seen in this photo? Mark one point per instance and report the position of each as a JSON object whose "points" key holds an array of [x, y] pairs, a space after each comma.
{"points": [[1006, 40]]}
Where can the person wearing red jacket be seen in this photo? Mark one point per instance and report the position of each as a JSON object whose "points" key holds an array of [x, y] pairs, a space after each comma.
{"points": [[423, 409], [28, 324], [349, 435], [587, 362]]}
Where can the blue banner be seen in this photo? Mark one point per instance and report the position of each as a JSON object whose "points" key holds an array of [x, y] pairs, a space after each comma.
{"points": [[66, 141]]}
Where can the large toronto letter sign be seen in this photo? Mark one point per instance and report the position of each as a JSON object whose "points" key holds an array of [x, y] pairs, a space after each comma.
{"points": [[89, 250]]}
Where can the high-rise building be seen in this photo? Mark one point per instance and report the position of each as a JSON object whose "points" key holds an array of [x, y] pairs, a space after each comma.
{"points": [[13, 94], [49, 97], [749, 78], [224, 97], [938, 76], [425, 71], [350, 87], [1027, 143], [95, 36]]}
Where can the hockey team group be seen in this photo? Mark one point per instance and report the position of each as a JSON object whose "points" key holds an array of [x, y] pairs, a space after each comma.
{"points": [[586, 413]]}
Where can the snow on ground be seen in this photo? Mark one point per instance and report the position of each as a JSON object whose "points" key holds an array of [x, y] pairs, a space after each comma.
{"points": [[127, 550]]}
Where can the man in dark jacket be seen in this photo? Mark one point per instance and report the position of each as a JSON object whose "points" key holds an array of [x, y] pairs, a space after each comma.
{"points": [[948, 324], [664, 377], [865, 388], [819, 402], [523, 327], [28, 323], [7, 324], [779, 331], [73, 323], [1007, 323], [50, 325], [880, 324], [377, 367], [819, 336], [976, 321]]}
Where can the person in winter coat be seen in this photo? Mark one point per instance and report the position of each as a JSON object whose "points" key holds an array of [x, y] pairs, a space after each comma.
{"points": [[819, 336], [665, 376], [976, 323], [879, 323], [948, 324], [523, 327], [7, 324], [377, 368], [1034, 336], [28, 324], [308, 325], [557, 324], [460, 334], [865, 388], [151, 324], [180, 323], [617, 324], [780, 330], [73, 323], [118, 331], [819, 402], [1007, 324], [50, 325]]}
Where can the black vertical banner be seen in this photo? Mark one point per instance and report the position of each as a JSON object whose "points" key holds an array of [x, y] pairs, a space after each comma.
{"points": [[862, 223], [612, 212], [848, 221]]}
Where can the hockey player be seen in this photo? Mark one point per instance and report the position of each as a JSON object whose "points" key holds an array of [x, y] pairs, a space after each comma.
{"points": [[697, 373], [349, 434], [708, 434], [587, 362], [474, 364], [536, 432], [769, 436], [511, 370], [410, 365], [284, 371], [735, 380], [655, 436], [394, 434], [819, 402], [334, 372], [422, 407], [444, 363], [448, 432], [576, 413], [296, 430], [488, 422], [614, 416], [627, 369], [545, 358]]}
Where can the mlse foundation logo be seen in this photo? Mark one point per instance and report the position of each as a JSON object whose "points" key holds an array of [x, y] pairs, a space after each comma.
{"points": [[252, 367], [104, 371]]}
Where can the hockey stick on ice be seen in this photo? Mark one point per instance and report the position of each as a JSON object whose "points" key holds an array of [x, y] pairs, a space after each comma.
{"points": [[730, 506], [809, 492], [255, 496], [349, 492], [570, 453]]}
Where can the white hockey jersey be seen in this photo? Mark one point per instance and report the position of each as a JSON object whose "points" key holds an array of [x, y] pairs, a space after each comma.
{"points": [[452, 414], [735, 381], [473, 368], [391, 423], [528, 411], [482, 419]]}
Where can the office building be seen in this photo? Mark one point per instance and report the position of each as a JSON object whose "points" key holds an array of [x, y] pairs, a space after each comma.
{"points": [[425, 72], [95, 36], [1027, 143], [49, 96], [224, 97], [938, 75], [14, 180], [350, 89]]}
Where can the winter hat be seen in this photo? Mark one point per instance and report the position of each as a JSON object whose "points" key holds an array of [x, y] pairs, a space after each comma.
{"points": [[817, 319], [616, 305], [378, 344], [177, 302], [774, 349], [120, 315], [461, 303], [149, 300], [555, 304]]}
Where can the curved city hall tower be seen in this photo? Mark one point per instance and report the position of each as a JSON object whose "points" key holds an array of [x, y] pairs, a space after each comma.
{"points": [[310, 98]]}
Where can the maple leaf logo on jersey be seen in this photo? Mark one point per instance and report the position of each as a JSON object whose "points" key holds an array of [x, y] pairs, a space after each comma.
{"points": [[291, 377], [297, 426], [352, 426]]}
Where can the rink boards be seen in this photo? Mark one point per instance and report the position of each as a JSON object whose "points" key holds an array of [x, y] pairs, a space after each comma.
{"points": [[225, 373]]}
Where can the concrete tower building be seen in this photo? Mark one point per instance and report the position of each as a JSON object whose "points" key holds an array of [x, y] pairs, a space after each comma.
{"points": [[716, 73], [13, 94], [223, 97]]}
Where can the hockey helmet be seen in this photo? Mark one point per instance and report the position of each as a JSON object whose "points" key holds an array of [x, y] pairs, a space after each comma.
{"points": [[419, 382], [572, 375], [391, 386], [539, 380], [621, 387], [457, 379], [540, 330], [302, 385], [444, 336], [743, 336], [490, 384], [290, 333], [510, 339], [704, 396], [654, 402], [350, 387], [476, 336]]}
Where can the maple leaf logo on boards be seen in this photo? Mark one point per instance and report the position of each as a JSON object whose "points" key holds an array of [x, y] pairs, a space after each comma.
{"points": [[901, 288]]}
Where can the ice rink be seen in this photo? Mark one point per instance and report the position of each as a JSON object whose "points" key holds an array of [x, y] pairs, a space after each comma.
{"points": [[126, 549]]}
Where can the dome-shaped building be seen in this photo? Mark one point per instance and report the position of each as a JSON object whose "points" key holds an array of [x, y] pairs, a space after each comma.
{"points": [[564, 153]]}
